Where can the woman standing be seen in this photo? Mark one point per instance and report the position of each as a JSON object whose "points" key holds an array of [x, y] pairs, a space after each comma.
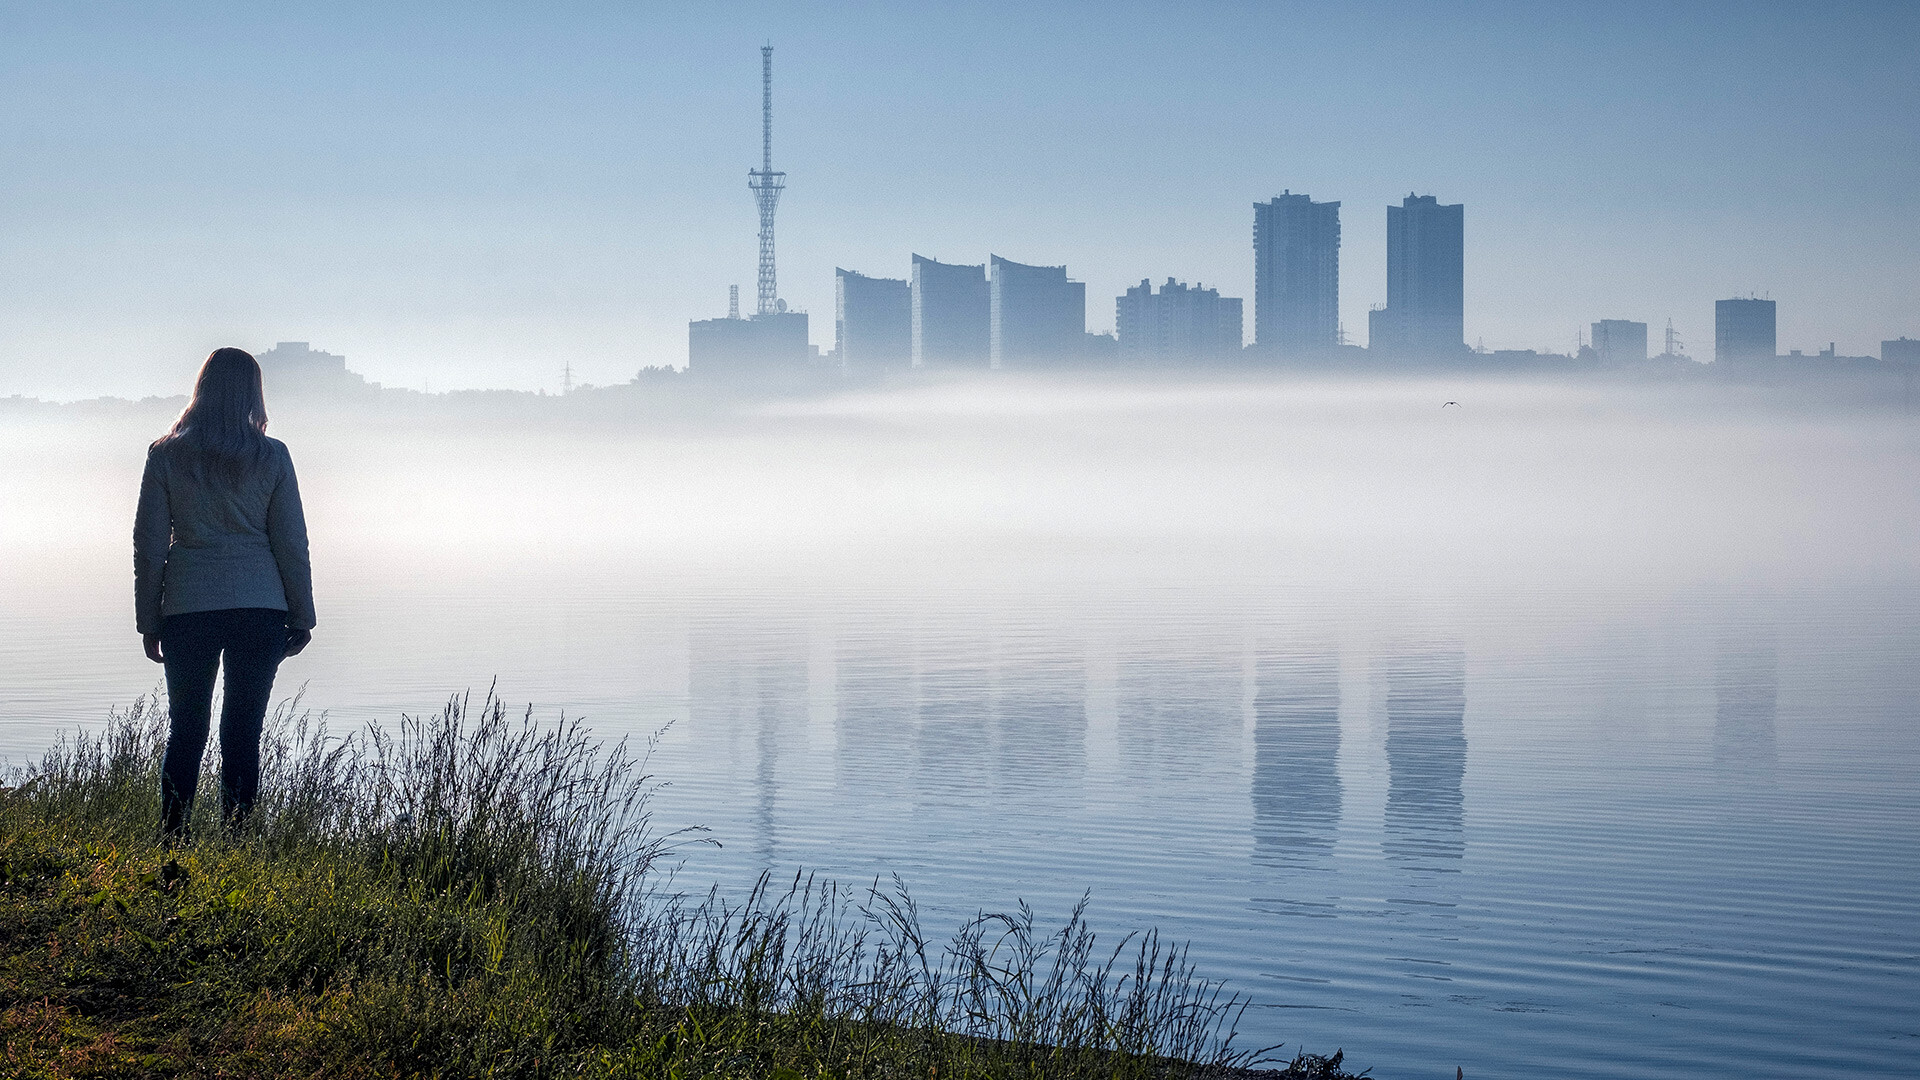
{"points": [[219, 574]]}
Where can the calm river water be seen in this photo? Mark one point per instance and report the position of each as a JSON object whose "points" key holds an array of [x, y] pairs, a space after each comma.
{"points": [[1570, 732]]}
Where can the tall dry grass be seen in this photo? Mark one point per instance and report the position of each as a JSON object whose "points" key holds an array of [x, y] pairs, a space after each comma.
{"points": [[475, 893]]}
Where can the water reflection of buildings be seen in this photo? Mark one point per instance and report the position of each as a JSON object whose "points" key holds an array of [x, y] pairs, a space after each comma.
{"points": [[1426, 758], [1040, 722], [955, 693], [934, 719], [997, 717], [1296, 752], [747, 689], [1178, 713], [874, 731], [1746, 693]]}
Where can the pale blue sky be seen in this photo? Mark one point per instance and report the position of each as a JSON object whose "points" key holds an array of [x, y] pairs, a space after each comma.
{"points": [[473, 194]]}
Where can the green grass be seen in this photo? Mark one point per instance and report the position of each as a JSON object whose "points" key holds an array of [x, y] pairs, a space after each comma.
{"points": [[478, 896]]}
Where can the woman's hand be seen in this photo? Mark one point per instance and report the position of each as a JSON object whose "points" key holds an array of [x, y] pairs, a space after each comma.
{"points": [[152, 644], [297, 640]]}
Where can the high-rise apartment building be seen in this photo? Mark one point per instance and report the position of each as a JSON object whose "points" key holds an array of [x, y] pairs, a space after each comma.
{"points": [[1178, 324], [1743, 331], [950, 314], [1620, 341], [1901, 350], [1425, 314], [1296, 273], [1036, 316], [872, 322]]}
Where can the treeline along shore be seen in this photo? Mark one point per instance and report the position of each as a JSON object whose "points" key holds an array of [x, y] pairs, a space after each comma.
{"points": [[1793, 384], [474, 894]]}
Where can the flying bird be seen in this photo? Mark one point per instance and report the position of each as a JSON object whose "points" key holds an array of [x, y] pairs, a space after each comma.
{"points": [[1444, 404]]}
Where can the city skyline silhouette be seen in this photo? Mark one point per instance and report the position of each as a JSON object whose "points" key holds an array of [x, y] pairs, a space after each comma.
{"points": [[461, 201]]}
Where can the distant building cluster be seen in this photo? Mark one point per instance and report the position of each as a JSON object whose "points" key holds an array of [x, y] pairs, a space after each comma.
{"points": [[999, 314], [1006, 315], [298, 359], [298, 367]]}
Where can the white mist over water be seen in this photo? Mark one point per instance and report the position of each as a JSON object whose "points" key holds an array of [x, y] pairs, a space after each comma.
{"points": [[1372, 479], [1570, 729]]}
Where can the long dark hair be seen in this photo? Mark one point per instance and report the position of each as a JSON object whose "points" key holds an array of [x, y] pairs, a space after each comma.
{"points": [[223, 430]]}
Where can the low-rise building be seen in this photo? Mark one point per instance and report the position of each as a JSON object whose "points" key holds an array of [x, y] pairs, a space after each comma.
{"points": [[770, 347], [297, 367], [1620, 341]]}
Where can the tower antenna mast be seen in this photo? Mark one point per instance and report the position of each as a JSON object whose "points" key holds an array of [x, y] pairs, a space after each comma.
{"points": [[766, 185]]}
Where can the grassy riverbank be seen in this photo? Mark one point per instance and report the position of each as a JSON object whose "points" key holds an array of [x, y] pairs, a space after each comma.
{"points": [[475, 896]]}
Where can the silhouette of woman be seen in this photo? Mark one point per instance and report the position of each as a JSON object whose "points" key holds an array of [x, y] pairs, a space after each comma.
{"points": [[219, 573]]}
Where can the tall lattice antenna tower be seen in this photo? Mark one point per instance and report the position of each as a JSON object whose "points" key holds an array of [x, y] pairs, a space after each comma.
{"points": [[733, 301], [766, 185]]}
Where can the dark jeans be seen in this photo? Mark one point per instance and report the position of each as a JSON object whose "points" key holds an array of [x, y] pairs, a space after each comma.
{"points": [[253, 642]]}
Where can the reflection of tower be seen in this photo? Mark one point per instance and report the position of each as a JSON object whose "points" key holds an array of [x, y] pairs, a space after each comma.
{"points": [[766, 185], [1296, 751], [747, 688], [1426, 756], [1747, 690]]}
